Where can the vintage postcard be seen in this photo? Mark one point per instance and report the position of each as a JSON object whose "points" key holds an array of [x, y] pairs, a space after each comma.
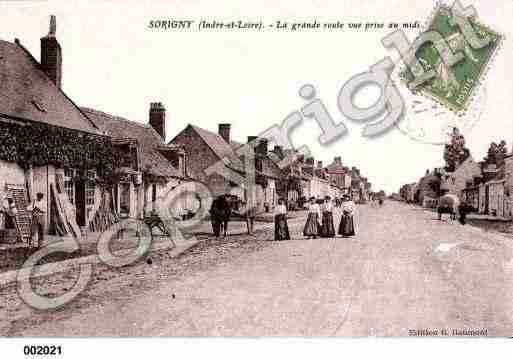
{"points": [[305, 169]]}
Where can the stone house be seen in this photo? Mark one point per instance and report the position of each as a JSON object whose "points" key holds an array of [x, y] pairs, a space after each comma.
{"points": [[495, 190], [294, 185], [336, 172], [205, 149], [337, 178], [455, 182], [43, 132], [157, 168], [429, 187], [320, 184], [366, 188], [495, 197], [269, 176], [407, 192], [492, 178], [315, 179], [358, 191], [508, 185]]}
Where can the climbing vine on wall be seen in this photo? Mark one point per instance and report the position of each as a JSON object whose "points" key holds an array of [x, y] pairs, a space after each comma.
{"points": [[40, 145]]}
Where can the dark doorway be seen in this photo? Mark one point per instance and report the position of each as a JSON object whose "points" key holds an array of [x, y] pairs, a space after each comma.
{"points": [[80, 203], [154, 193], [487, 199], [124, 199]]}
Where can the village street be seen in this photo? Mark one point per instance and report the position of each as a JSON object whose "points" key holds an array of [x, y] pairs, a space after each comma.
{"points": [[403, 271]]}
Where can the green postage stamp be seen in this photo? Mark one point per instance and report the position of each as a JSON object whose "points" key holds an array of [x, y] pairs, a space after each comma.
{"points": [[453, 86]]}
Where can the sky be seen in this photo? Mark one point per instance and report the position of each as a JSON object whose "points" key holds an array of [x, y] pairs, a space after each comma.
{"points": [[113, 62]]}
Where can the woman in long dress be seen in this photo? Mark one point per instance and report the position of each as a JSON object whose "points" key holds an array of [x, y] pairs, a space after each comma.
{"points": [[328, 228], [346, 227], [281, 228], [312, 225]]}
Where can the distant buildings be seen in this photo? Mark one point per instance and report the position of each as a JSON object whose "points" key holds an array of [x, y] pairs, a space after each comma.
{"points": [[463, 176], [94, 168], [296, 182], [409, 192], [484, 186]]}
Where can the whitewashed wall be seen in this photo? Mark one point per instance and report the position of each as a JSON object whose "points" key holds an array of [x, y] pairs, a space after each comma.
{"points": [[10, 173]]}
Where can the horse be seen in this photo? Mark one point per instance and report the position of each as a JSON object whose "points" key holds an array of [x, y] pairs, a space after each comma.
{"points": [[448, 203], [220, 212]]}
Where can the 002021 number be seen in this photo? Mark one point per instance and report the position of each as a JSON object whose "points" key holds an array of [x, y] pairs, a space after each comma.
{"points": [[42, 350]]}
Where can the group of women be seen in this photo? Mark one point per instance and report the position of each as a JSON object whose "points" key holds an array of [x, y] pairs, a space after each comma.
{"points": [[319, 222]]}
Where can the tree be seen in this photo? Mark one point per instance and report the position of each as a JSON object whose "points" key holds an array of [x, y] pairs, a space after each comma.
{"points": [[455, 151], [496, 153]]}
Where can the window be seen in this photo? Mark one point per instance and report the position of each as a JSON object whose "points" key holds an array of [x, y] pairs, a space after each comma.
{"points": [[90, 188], [69, 187], [181, 165]]}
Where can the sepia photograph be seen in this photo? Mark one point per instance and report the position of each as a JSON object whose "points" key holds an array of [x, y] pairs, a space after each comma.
{"points": [[291, 170]]}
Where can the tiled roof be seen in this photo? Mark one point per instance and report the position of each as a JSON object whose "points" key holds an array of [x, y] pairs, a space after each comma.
{"points": [[222, 149], [27, 93], [229, 151], [286, 153], [147, 138], [235, 145], [269, 166]]}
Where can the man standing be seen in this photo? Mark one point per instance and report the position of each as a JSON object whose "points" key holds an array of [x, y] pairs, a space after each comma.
{"points": [[250, 215], [464, 209], [38, 208]]}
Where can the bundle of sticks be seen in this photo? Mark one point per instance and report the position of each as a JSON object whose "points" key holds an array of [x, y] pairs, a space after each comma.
{"points": [[105, 216]]}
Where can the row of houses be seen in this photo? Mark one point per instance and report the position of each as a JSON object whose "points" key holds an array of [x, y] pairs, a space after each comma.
{"points": [[483, 185], [297, 182], [93, 167]]}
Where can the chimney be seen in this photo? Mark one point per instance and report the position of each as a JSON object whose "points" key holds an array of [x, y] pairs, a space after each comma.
{"points": [[338, 159], [158, 118], [262, 146], [319, 164], [51, 54], [310, 161], [278, 150], [252, 140], [224, 131]]}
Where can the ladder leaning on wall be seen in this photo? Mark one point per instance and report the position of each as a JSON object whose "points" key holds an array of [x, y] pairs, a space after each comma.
{"points": [[23, 217]]}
